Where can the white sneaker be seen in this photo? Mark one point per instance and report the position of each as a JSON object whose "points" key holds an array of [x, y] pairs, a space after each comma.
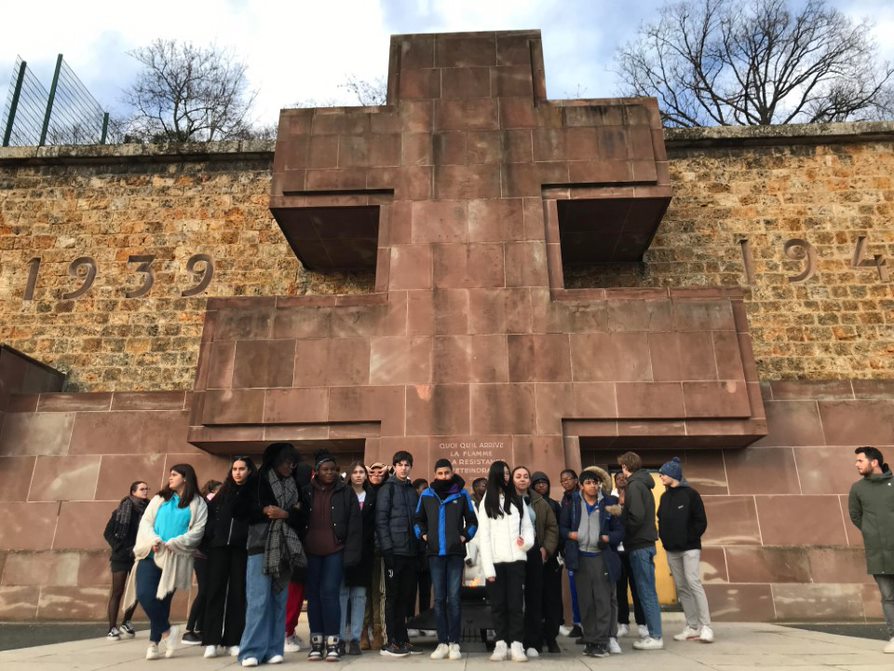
{"points": [[250, 661], [623, 630], [172, 641], [234, 651], [532, 652], [210, 651], [564, 630], [643, 630], [152, 652], [293, 644], [276, 659], [441, 651], [517, 652], [455, 652], [501, 652], [889, 648], [413, 633], [614, 647], [649, 643], [707, 635], [687, 634]]}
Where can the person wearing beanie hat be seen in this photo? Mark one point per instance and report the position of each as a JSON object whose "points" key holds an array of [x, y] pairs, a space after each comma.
{"points": [[681, 524], [552, 572]]}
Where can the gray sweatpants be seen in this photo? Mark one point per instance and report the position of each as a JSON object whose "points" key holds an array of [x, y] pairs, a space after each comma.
{"points": [[684, 568], [594, 596], [885, 582]]}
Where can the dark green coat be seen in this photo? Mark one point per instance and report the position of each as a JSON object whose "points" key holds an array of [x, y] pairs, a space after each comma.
{"points": [[871, 505]]}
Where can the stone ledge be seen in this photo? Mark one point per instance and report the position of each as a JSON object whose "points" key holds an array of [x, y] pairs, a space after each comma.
{"points": [[734, 136]]}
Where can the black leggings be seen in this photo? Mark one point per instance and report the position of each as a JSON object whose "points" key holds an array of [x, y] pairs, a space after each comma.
{"points": [[119, 582]]}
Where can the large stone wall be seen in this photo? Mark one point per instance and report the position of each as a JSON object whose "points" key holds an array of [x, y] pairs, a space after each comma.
{"points": [[826, 185]]}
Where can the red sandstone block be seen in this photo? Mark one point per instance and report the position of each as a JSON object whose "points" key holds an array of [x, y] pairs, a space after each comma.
{"points": [[70, 478], [512, 81], [93, 569], [826, 470], [343, 178], [339, 122], [437, 410], [475, 114], [466, 181], [537, 453], [36, 433], [723, 398], [737, 602], [793, 423], [549, 144], [733, 521], [594, 400], [649, 399], [703, 315], [517, 146], [762, 471], [80, 525], [442, 312], [539, 358], [483, 146], [244, 324], [818, 602], [460, 83], [322, 152], [727, 355], [552, 402], [526, 264], [400, 360], [500, 311], [514, 49], [440, 221], [552, 172], [519, 180], [15, 477], [601, 171], [416, 51], [495, 220], [502, 408], [593, 115], [449, 148], [705, 470], [22, 403], [518, 113], [820, 520], [768, 564], [610, 357], [420, 84], [292, 406], [416, 149], [72, 603], [582, 144], [42, 568], [385, 404], [841, 565], [417, 116], [411, 267], [642, 314], [233, 406], [263, 363], [465, 51], [19, 602], [71, 402], [337, 361], [478, 358], [865, 422], [644, 171], [472, 265], [117, 471], [149, 400]]}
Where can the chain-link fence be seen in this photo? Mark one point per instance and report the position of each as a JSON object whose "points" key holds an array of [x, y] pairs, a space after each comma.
{"points": [[64, 114]]}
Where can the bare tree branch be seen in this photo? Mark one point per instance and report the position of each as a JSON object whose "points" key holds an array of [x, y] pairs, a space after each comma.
{"points": [[757, 62]]}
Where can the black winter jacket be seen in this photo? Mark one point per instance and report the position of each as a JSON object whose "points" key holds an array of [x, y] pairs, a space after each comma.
{"points": [[681, 519], [395, 515], [122, 547], [443, 514], [260, 495], [227, 524], [639, 512], [361, 574], [347, 524]]}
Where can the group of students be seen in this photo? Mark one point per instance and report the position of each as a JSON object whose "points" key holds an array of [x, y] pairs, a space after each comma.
{"points": [[270, 537]]}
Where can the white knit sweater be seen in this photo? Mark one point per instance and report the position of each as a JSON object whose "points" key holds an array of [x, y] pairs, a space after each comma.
{"points": [[174, 558], [497, 538]]}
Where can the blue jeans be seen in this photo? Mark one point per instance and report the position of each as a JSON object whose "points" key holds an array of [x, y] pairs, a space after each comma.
{"points": [[157, 610], [322, 589], [575, 608], [642, 564], [356, 595], [265, 614], [446, 579]]}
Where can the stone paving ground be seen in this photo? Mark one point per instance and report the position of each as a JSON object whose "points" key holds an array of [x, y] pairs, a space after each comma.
{"points": [[739, 647]]}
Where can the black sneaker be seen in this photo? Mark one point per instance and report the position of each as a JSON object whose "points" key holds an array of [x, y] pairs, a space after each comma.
{"points": [[596, 650], [412, 649], [354, 647], [191, 638], [127, 628], [316, 649], [334, 649], [114, 634], [341, 648], [576, 632], [395, 650]]}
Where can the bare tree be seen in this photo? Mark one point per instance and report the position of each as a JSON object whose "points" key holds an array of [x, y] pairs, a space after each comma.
{"points": [[189, 93], [756, 62], [368, 92]]}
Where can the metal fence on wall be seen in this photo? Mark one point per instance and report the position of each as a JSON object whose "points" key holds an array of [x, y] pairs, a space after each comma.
{"points": [[65, 114]]}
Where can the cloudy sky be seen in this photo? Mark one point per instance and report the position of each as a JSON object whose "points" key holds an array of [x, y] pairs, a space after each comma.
{"points": [[299, 50]]}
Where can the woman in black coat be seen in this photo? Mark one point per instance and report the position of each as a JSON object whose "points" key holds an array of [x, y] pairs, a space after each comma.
{"points": [[358, 578], [226, 537]]}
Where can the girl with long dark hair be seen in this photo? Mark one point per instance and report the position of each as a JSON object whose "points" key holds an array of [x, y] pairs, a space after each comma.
{"points": [[332, 539], [226, 536], [505, 535], [195, 623], [121, 535], [170, 531], [358, 578], [274, 550]]}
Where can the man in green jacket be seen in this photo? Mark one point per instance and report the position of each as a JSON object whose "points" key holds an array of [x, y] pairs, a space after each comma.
{"points": [[871, 505]]}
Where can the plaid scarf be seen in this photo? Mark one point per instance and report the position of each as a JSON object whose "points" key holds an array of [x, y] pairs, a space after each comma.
{"points": [[283, 550], [126, 509]]}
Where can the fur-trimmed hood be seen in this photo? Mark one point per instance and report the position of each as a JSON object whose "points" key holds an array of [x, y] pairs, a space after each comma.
{"points": [[606, 481]]}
